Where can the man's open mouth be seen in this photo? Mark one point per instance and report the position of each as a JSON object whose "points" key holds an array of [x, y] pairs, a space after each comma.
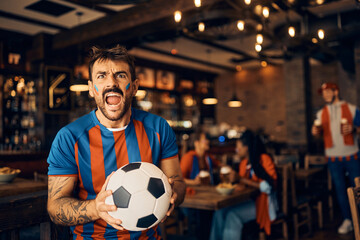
{"points": [[113, 99]]}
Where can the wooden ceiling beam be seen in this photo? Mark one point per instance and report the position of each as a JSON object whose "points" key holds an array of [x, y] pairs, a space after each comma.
{"points": [[119, 23]]}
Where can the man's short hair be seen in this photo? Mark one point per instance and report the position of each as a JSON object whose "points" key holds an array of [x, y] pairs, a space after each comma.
{"points": [[117, 53]]}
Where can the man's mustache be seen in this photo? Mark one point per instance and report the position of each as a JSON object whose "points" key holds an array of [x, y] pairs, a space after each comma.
{"points": [[114, 89]]}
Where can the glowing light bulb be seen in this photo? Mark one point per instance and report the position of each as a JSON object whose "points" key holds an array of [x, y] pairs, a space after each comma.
{"points": [[241, 25], [314, 40], [177, 16], [321, 34], [259, 38], [258, 47], [264, 63], [247, 2], [266, 12], [197, 3], [291, 31], [201, 27]]}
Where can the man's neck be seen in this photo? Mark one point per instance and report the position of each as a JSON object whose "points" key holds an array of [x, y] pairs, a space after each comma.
{"points": [[336, 100], [124, 121]]}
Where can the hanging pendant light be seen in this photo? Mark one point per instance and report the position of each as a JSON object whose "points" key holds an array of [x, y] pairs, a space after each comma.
{"points": [[234, 102], [210, 101]]}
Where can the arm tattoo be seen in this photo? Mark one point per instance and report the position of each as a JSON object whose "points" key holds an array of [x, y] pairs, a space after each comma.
{"points": [[177, 177], [64, 209]]}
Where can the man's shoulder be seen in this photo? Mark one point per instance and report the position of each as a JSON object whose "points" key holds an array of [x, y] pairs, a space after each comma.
{"points": [[148, 119], [79, 126]]}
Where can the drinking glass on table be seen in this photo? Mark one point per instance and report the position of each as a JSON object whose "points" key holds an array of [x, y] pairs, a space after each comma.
{"points": [[204, 177], [225, 174]]}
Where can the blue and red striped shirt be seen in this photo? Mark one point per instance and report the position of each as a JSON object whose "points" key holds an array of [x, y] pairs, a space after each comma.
{"points": [[87, 149]]}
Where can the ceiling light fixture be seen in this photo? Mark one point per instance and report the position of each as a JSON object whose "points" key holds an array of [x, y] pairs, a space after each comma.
{"points": [[266, 12], [197, 3], [258, 47], [210, 101], [234, 102], [259, 27], [291, 31], [321, 34], [241, 25], [201, 26], [177, 16], [247, 2], [259, 38]]}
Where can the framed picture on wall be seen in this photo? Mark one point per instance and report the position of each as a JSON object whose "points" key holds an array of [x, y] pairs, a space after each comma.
{"points": [[165, 80], [146, 77], [57, 83]]}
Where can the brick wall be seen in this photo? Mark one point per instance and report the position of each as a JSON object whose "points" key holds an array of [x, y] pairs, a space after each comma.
{"points": [[274, 97], [262, 91]]}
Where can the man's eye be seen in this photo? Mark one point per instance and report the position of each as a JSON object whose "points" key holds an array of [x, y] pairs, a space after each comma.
{"points": [[121, 75], [100, 76]]}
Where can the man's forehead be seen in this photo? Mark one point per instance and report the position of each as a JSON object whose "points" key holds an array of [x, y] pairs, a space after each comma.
{"points": [[115, 65]]}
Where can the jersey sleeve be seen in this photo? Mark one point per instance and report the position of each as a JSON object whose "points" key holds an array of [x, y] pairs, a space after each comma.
{"points": [[61, 158], [186, 165], [169, 147], [268, 166], [357, 118]]}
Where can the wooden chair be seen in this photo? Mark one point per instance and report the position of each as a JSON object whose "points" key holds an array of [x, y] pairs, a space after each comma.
{"points": [[301, 209], [354, 201], [283, 200], [315, 171]]}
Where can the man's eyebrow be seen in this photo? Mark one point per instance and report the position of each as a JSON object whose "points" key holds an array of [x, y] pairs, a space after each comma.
{"points": [[101, 72], [120, 72]]}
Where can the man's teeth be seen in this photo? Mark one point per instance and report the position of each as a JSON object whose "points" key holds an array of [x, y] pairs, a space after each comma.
{"points": [[113, 94]]}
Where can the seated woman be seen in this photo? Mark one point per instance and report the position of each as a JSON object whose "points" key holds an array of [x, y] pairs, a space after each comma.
{"points": [[258, 170], [196, 160]]}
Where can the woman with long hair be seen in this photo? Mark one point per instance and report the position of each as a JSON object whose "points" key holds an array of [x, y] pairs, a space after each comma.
{"points": [[256, 169]]}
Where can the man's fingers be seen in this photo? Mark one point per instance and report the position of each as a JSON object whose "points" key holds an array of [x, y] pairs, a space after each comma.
{"points": [[106, 181], [107, 208], [103, 195]]}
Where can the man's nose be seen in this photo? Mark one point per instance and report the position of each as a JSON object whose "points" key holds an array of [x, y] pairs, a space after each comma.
{"points": [[113, 82]]}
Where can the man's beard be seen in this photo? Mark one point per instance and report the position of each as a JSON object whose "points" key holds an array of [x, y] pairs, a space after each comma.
{"points": [[124, 110], [332, 100]]}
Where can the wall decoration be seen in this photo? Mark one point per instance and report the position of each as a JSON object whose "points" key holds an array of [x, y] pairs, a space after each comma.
{"points": [[57, 80], [165, 80], [146, 77]]}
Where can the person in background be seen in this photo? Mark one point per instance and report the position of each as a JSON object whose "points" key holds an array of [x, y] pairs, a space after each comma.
{"points": [[85, 152], [256, 169], [197, 168], [338, 122], [197, 163]]}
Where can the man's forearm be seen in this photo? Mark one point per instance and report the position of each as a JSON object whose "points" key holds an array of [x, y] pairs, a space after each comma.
{"points": [[65, 209], [69, 211], [180, 188]]}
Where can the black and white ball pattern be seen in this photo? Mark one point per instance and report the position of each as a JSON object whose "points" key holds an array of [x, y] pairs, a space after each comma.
{"points": [[141, 192]]}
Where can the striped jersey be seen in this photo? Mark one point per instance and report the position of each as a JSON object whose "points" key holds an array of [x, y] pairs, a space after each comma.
{"points": [[87, 149]]}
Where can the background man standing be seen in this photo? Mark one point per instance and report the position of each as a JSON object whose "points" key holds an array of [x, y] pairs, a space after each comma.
{"points": [[338, 122]]}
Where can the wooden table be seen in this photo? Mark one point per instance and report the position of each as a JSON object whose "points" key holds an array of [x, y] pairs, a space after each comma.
{"points": [[207, 198], [22, 204], [21, 186]]}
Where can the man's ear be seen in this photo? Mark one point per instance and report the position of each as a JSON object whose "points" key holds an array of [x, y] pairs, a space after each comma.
{"points": [[135, 86], [91, 88]]}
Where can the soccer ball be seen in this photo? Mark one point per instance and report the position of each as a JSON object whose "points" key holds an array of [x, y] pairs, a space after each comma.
{"points": [[141, 192]]}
